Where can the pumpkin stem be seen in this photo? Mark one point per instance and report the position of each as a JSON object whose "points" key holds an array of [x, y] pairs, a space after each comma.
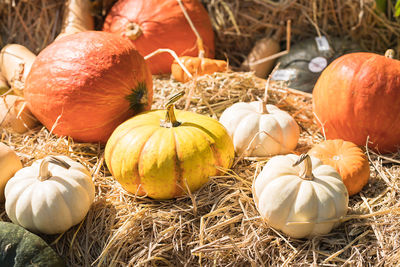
{"points": [[174, 55], [200, 45], [170, 118], [306, 173], [263, 107], [133, 31], [44, 172], [389, 53]]}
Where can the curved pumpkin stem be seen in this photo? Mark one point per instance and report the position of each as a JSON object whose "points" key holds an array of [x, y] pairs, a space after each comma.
{"points": [[44, 172], [390, 53], [200, 44], [174, 55], [170, 118], [306, 173]]}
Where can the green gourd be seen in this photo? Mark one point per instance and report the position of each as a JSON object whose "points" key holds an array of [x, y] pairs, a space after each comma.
{"points": [[305, 62], [21, 248]]}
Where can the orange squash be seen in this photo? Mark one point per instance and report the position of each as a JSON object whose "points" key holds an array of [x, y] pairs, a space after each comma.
{"points": [[197, 66], [348, 159], [85, 84], [357, 98], [154, 24]]}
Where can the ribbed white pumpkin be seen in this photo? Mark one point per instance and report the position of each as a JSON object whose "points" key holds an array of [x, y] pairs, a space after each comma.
{"points": [[50, 196], [304, 200], [247, 123]]}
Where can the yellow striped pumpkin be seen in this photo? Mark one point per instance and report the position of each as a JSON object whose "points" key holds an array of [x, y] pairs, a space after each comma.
{"points": [[162, 158]]}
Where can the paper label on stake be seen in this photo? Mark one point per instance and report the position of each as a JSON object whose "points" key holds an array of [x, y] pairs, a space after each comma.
{"points": [[322, 43], [317, 64], [283, 75]]}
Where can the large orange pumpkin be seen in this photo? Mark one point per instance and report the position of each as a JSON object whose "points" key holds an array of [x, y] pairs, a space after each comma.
{"points": [[348, 160], [358, 96], [86, 84], [153, 24]]}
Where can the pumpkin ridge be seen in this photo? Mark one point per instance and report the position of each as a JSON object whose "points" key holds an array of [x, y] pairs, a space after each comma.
{"points": [[138, 180], [331, 199], [296, 194], [81, 190], [66, 206], [115, 142], [178, 169], [328, 188], [19, 204], [284, 214], [200, 127], [214, 149]]}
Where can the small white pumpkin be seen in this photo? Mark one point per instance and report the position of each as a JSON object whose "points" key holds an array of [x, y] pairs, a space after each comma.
{"points": [[260, 130], [50, 196], [301, 200], [9, 165]]}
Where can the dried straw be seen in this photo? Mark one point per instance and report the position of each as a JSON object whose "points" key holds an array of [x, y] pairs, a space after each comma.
{"points": [[219, 224], [239, 24]]}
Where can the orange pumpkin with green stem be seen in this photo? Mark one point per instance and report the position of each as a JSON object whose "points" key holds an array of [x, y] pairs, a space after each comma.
{"points": [[85, 84], [348, 159]]}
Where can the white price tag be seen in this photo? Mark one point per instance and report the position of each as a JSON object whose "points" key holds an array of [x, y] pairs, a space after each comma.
{"points": [[322, 43], [317, 64], [283, 75]]}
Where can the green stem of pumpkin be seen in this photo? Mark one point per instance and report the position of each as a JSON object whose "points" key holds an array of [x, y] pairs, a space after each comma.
{"points": [[306, 172], [44, 172], [389, 53], [170, 118]]}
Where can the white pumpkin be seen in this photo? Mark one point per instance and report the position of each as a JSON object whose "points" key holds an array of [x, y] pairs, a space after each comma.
{"points": [[50, 196], [300, 196], [9, 165], [248, 123]]}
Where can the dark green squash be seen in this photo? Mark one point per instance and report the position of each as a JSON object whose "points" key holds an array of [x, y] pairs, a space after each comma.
{"points": [[21, 248], [305, 56]]}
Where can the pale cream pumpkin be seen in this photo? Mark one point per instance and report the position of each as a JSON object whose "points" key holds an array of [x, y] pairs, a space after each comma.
{"points": [[300, 196], [15, 63], [15, 114], [9, 165], [260, 130], [50, 196]]}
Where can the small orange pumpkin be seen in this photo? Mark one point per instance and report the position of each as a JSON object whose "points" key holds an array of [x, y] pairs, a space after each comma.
{"points": [[348, 159], [196, 66]]}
